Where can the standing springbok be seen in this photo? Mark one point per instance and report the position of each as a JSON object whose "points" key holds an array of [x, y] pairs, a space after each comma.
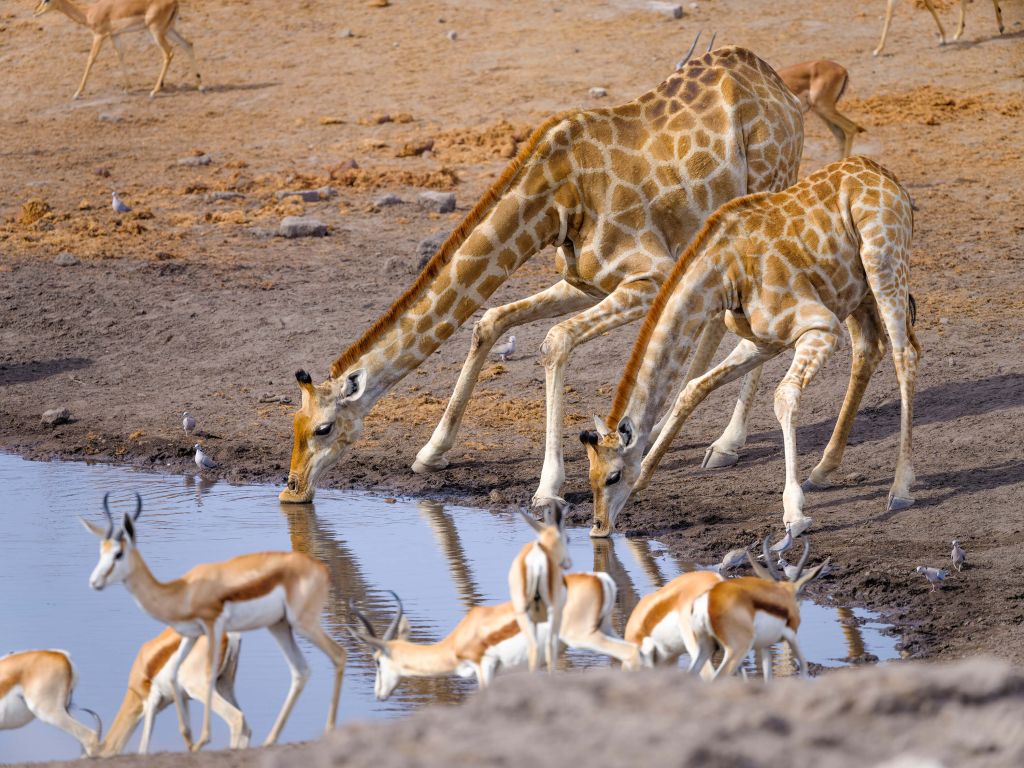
{"points": [[536, 581], [942, 32], [282, 591], [751, 613], [487, 640], [150, 690], [39, 684], [819, 85], [113, 18]]}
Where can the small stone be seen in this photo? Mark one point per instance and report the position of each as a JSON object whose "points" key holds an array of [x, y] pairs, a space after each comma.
{"points": [[453, 35], [195, 160], [428, 247], [439, 202], [109, 117], [65, 259], [387, 200], [55, 416], [944, 320], [346, 33], [390, 500], [101, 171], [396, 266], [302, 226], [309, 195], [496, 496], [597, 92], [214, 197], [694, 6], [854, 477], [671, 10]]}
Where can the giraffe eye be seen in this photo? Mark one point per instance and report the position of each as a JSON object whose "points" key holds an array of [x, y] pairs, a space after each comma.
{"points": [[324, 429], [613, 478]]}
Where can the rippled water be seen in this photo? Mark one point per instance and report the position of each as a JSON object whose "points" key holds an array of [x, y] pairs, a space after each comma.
{"points": [[440, 559]]}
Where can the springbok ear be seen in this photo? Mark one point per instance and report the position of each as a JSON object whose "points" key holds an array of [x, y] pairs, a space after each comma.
{"points": [[600, 427], [96, 530], [534, 523], [556, 512], [759, 570], [811, 575], [355, 385], [627, 433], [129, 527], [403, 629]]}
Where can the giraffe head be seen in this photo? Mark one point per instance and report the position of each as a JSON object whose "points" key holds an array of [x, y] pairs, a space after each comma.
{"points": [[329, 420], [614, 468]]}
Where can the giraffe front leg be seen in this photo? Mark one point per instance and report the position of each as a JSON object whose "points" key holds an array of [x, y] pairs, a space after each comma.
{"points": [[626, 303], [812, 350], [724, 452], [556, 300]]}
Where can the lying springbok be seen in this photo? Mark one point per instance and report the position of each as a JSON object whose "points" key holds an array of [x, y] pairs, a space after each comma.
{"points": [[942, 32], [39, 684], [536, 581], [488, 640], [660, 624], [819, 85], [150, 692], [282, 591], [751, 613], [113, 18]]}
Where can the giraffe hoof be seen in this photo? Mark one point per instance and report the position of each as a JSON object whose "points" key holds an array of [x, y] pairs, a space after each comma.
{"points": [[799, 526], [813, 485], [435, 464], [716, 459], [896, 503]]}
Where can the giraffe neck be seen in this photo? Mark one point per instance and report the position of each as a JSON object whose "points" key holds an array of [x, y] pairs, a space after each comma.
{"points": [[71, 10]]}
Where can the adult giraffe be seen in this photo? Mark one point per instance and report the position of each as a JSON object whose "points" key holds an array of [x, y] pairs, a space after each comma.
{"points": [[620, 191]]}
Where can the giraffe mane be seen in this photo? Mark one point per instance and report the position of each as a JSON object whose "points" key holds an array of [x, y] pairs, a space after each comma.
{"points": [[444, 254], [636, 357]]}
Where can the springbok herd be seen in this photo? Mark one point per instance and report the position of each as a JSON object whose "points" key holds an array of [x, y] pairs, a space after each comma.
{"points": [[681, 208]]}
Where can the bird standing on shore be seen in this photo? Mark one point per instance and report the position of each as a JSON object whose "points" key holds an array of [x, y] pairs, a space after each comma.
{"points": [[506, 350], [935, 576], [202, 460], [118, 204], [188, 423], [958, 555], [784, 544]]}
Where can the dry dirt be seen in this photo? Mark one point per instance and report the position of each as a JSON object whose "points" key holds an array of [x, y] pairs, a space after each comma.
{"points": [[187, 303]]}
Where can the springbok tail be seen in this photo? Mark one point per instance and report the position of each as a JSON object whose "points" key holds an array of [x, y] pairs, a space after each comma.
{"points": [[609, 593]]}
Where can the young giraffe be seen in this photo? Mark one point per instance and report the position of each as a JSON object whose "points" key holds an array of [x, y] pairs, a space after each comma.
{"points": [[619, 191], [789, 266]]}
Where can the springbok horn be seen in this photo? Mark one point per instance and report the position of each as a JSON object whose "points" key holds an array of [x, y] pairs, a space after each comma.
{"points": [[766, 546], [689, 53], [361, 617], [536, 524], [759, 570], [713, 36], [138, 507], [110, 518], [368, 639], [393, 626], [803, 559]]}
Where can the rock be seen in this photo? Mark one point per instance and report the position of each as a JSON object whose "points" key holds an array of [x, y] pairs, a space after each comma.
{"points": [[270, 397], [65, 259], [597, 92], [387, 200], [101, 171], [396, 266], [415, 148], [346, 33], [55, 416], [694, 6], [302, 226], [309, 195], [262, 233], [109, 117], [453, 35], [440, 202], [214, 197], [496, 496], [195, 160], [428, 247], [671, 10]]}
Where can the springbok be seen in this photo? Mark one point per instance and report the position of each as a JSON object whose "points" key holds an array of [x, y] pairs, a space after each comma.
{"points": [[660, 624], [39, 684], [751, 613], [282, 591], [536, 581], [942, 32], [819, 85], [113, 18], [150, 690], [487, 640]]}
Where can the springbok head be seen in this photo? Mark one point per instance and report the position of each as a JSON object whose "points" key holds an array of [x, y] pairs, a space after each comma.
{"points": [[551, 532], [115, 545], [389, 671], [329, 420], [771, 572], [614, 468]]}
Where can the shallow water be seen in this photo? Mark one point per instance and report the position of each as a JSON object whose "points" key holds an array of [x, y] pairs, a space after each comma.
{"points": [[440, 559]]}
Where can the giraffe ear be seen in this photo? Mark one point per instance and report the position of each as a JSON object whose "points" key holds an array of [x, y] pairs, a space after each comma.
{"points": [[355, 385], [627, 433]]}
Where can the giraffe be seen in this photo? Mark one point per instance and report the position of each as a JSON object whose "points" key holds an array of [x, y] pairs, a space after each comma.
{"points": [[619, 191], [788, 267]]}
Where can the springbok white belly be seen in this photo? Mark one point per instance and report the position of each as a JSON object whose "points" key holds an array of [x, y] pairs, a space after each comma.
{"points": [[666, 637], [512, 653], [259, 612], [768, 629], [14, 713]]}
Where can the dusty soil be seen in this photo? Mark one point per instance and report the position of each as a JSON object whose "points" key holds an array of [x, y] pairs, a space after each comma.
{"points": [[907, 716], [187, 303]]}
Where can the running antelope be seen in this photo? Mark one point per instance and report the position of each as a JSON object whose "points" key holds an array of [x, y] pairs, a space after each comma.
{"points": [[660, 624], [751, 613], [282, 591], [819, 85], [113, 18], [536, 582], [788, 267], [619, 192], [39, 684], [150, 690], [488, 640], [942, 32]]}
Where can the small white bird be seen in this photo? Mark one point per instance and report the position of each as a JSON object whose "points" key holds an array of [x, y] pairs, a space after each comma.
{"points": [[202, 460], [506, 350], [784, 544], [958, 555], [935, 576], [787, 568], [188, 423], [117, 204], [733, 559]]}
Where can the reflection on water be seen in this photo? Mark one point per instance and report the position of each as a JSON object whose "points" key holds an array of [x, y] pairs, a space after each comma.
{"points": [[440, 559]]}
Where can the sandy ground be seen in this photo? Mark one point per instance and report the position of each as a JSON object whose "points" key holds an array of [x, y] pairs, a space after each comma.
{"points": [[187, 303]]}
